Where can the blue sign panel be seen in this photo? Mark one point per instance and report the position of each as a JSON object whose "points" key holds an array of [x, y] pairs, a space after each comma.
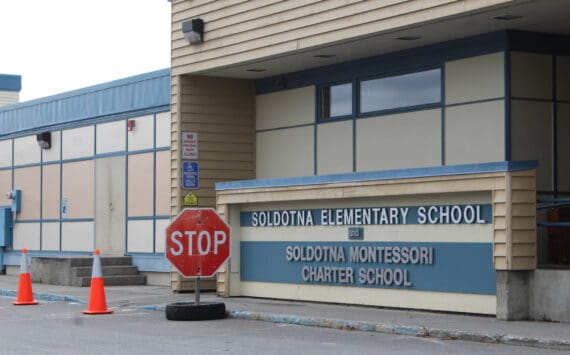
{"points": [[190, 170], [443, 267], [433, 214]]}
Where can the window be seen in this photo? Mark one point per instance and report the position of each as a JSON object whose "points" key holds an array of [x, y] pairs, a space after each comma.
{"points": [[394, 92], [336, 101]]}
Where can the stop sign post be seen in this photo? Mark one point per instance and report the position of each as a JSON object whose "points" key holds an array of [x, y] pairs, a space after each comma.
{"points": [[197, 243]]}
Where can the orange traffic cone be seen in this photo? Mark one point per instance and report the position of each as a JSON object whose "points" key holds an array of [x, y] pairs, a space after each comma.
{"points": [[25, 293], [97, 302]]}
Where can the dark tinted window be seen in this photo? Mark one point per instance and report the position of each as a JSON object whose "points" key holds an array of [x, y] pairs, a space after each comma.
{"points": [[336, 101], [400, 91]]}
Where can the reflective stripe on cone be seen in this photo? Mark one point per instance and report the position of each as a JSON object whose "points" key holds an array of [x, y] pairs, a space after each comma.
{"points": [[25, 294]]}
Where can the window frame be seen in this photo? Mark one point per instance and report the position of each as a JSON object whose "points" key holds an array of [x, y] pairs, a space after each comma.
{"points": [[401, 109], [319, 101]]}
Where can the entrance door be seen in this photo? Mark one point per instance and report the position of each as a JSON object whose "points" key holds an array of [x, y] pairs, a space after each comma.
{"points": [[110, 205]]}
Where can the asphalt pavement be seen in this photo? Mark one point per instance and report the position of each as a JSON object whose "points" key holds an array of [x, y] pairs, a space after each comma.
{"points": [[356, 318]]}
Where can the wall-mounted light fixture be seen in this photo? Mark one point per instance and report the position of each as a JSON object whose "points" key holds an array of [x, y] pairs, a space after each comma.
{"points": [[507, 17], [130, 125], [44, 140], [193, 30], [408, 38]]}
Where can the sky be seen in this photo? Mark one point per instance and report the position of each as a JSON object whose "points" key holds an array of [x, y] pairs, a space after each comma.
{"points": [[62, 45]]}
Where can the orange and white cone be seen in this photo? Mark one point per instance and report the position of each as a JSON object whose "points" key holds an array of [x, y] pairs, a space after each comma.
{"points": [[25, 293], [97, 302]]}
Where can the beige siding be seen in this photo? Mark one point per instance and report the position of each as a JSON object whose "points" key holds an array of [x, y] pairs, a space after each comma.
{"points": [[240, 31], [9, 97], [514, 210], [222, 112]]}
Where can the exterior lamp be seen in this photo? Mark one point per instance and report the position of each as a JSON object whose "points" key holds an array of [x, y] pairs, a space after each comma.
{"points": [[193, 30], [44, 140]]}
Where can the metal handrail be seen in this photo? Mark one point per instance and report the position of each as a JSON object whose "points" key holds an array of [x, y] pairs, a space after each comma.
{"points": [[556, 202]]}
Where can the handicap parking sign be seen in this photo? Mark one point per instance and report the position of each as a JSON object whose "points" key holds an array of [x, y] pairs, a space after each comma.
{"points": [[190, 170]]}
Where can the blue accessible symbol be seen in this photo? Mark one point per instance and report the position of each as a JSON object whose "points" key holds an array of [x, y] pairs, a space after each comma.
{"points": [[190, 170]]}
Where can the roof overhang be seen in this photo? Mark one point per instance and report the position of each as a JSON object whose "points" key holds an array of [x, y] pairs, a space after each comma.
{"points": [[544, 16]]}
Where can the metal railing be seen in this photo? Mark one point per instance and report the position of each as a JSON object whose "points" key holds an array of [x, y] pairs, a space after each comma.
{"points": [[553, 203], [558, 235]]}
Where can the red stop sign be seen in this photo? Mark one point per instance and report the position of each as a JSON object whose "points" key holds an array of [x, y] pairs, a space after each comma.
{"points": [[197, 242]]}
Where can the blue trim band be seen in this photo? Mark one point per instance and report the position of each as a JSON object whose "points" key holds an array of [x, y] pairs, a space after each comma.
{"points": [[64, 220], [539, 42], [287, 127], [86, 122], [109, 155], [30, 165], [10, 82], [149, 150], [447, 170], [131, 94], [55, 220], [474, 102]]}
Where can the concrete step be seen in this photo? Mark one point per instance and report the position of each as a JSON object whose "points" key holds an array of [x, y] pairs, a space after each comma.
{"points": [[117, 280], [83, 271], [105, 261]]}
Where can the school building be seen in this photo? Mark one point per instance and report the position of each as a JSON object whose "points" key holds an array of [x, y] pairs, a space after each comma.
{"points": [[89, 169], [387, 153], [407, 154]]}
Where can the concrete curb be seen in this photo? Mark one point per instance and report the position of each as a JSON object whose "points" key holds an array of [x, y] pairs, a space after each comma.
{"points": [[397, 329], [341, 324]]}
